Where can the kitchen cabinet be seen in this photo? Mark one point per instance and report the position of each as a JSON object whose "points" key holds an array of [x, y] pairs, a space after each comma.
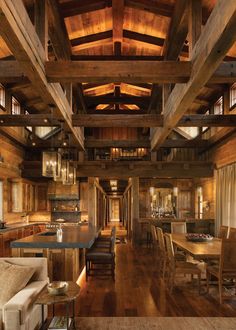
{"points": [[13, 234]]}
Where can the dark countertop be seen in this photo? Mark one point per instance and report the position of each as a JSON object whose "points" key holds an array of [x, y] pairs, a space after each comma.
{"points": [[72, 237], [17, 225], [168, 220]]}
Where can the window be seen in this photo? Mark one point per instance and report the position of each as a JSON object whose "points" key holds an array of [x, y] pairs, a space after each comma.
{"points": [[15, 106], [2, 96], [191, 131], [218, 106], [233, 95]]}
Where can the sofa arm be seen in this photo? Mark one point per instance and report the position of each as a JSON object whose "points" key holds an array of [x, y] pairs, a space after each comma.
{"points": [[16, 310]]}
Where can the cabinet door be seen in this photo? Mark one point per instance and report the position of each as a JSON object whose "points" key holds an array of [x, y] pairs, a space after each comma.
{"points": [[16, 197], [42, 198]]}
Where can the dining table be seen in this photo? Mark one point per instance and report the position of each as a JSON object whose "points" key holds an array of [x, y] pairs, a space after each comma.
{"points": [[206, 250]]}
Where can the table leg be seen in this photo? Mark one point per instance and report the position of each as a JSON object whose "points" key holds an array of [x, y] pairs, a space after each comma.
{"points": [[42, 326], [67, 315], [53, 310]]}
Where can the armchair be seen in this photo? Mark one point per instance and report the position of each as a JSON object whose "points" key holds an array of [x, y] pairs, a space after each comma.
{"points": [[20, 312]]}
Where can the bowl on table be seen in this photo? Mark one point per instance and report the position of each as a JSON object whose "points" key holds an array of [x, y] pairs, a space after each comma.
{"points": [[57, 288], [195, 237]]}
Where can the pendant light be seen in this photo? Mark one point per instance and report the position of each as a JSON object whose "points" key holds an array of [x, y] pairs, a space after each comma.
{"points": [[51, 159]]}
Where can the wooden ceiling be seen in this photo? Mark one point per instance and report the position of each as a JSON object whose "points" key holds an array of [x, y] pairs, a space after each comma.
{"points": [[117, 30]]}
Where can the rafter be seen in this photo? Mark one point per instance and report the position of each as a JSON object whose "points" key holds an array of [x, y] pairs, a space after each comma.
{"points": [[208, 52], [19, 34]]}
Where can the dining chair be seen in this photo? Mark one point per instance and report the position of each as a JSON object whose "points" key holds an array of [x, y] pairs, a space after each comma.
{"points": [[226, 269], [178, 227], [179, 267], [232, 233], [223, 232]]}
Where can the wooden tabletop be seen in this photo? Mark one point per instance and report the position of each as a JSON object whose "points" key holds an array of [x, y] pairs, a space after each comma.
{"points": [[45, 298], [198, 250]]}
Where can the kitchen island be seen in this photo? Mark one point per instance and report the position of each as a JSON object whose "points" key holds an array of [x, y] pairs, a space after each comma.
{"points": [[64, 251]]}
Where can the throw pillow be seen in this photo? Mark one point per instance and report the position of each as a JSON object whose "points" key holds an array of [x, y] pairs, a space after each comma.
{"points": [[12, 280], [4, 265]]}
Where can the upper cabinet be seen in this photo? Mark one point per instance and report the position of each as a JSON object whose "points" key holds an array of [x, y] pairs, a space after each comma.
{"points": [[26, 196]]}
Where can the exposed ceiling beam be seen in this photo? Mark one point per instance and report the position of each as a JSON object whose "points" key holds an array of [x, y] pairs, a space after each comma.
{"points": [[117, 25], [131, 72], [107, 99], [91, 38], [134, 120], [169, 143], [101, 143], [78, 7], [151, 120], [115, 58], [207, 120], [29, 120], [19, 34], [208, 52], [118, 71], [177, 32], [126, 169]]}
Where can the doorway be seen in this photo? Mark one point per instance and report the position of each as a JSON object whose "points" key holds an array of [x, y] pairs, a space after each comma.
{"points": [[114, 209]]}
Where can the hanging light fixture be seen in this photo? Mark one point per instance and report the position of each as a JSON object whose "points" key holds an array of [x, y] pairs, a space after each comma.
{"points": [[70, 174], [51, 164], [51, 160]]}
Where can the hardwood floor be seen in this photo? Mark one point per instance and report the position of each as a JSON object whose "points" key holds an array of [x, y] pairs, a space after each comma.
{"points": [[139, 291]]}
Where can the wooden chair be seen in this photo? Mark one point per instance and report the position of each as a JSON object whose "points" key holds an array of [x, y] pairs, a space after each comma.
{"points": [[223, 232], [232, 233], [178, 227], [100, 260], [104, 241], [226, 269], [179, 267]]}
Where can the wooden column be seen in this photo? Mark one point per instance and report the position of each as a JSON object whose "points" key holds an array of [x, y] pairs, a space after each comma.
{"points": [[92, 201], [195, 23], [135, 227], [226, 101], [41, 23]]}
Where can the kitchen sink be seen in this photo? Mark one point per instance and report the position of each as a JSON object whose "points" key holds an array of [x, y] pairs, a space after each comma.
{"points": [[48, 233]]}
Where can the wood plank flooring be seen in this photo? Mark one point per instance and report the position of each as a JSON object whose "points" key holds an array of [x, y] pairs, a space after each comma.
{"points": [[139, 291]]}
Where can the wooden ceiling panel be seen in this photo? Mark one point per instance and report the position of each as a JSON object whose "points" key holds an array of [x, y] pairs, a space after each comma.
{"points": [[134, 90], [145, 23], [4, 50], [99, 90], [103, 49], [89, 23]]}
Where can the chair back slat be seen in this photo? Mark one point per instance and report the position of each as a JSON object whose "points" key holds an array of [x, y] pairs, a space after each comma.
{"points": [[160, 238], [178, 227], [154, 234], [169, 248], [232, 233], [223, 232], [228, 256]]}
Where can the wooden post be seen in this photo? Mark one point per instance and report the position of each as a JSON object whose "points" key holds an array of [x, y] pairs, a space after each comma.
{"points": [[135, 227], [92, 201], [226, 101], [41, 23], [195, 23]]}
